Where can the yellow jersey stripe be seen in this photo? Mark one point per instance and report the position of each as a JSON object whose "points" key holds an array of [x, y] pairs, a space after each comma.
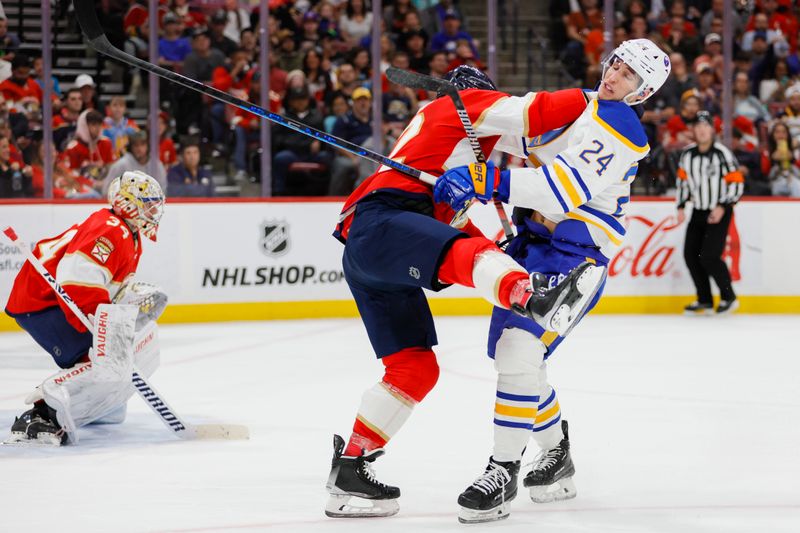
{"points": [[574, 196], [613, 238], [624, 140]]}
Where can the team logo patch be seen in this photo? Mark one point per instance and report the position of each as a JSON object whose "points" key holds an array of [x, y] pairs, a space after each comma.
{"points": [[275, 240], [102, 249]]}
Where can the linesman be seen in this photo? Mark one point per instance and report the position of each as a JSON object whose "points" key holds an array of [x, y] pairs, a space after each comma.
{"points": [[710, 178]]}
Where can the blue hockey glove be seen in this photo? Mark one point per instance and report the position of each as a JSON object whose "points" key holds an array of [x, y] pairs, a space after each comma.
{"points": [[460, 185]]}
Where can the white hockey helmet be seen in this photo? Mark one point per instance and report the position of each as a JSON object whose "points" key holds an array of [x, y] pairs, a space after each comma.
{"points": [[648, 61], [137, 198]]}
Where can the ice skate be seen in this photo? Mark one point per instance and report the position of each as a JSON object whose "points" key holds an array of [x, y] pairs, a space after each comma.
{"points": [[354, 491], [727, 307], [37, 426], [489, 496], [560, 308], [551, 477], [698, 309]]}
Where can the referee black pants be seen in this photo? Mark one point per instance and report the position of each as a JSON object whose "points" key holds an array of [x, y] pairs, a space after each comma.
{"points": [[703, 254]]}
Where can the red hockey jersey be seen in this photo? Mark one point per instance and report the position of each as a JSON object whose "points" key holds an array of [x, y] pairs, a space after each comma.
{"points": [[91, 260], [434, 140]]}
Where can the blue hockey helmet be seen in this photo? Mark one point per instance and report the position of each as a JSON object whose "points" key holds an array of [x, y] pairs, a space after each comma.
{"points": [[469, 77]]}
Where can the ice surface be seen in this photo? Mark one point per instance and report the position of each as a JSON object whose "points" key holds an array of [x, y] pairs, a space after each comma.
{"points": [[677, 425]]}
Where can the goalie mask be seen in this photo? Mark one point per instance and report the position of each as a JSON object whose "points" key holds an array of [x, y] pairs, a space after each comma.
{"points": [[137, 198], [647, 60], [468, 77]]}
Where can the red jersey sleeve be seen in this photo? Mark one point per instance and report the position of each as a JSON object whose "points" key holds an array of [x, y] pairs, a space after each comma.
{"points": [[97, 261], [496, 113]]}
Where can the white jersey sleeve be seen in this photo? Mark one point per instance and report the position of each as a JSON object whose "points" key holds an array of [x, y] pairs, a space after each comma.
{"points": [[603, 149]]}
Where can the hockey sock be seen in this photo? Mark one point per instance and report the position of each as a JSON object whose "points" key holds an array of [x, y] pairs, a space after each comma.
{"points": [[546, 429], [478, 262], [459, 261], [409, 375], [515, 410]]}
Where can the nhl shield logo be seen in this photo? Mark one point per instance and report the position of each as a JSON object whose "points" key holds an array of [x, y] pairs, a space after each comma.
{"points": [[275, 238]]}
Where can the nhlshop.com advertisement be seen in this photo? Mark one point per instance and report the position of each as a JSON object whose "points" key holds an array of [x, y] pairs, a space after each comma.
{"points": [[277, 252]]}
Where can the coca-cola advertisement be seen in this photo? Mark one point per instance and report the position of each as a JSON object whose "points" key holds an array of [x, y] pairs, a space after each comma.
{"points": [[650, 258]]}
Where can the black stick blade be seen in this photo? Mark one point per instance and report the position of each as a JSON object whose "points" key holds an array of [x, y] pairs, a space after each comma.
{"points": [[85, 11], [415, 80]]}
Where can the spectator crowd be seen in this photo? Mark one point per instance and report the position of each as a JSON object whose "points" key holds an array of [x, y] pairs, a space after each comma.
{"points": [[765, 83], [320, 74]]}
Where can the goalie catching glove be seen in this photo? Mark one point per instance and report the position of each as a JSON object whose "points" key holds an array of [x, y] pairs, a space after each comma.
{"points": [[149, 298], [482, 181]]}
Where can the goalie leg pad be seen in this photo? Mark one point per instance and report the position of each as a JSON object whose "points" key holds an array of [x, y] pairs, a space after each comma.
{"points": [[90, 390], [147, 356]]}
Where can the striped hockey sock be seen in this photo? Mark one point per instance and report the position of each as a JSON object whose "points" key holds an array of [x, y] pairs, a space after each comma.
{"points": [[546, 429], [383, 410], [518, 413], [515, 409], [409, 376]]}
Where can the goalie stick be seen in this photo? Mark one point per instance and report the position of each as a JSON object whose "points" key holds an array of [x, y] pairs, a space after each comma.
{"points": [[415, 80], [149, 394]]}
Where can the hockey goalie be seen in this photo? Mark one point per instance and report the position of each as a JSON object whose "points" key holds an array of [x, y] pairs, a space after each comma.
{"points": [[94, 262]]}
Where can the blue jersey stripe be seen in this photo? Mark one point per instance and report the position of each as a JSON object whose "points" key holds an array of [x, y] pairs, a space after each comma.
{"points": [[547, 401], [517, 397], [608, 219], [555, 190], [577, 177], [631, 172], [519, 425], [542, 428]]}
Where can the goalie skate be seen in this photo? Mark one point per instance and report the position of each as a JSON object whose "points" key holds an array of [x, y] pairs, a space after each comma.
{"points": [[37, 427], [561, 307], [550, 479], [489, 497], [354, 490]]}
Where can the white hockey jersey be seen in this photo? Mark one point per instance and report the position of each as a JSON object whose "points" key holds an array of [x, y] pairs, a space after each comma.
{"points": [[583, 171]]}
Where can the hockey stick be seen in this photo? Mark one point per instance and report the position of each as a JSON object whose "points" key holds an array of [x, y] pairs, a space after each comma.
{"points": [[415, 80], [148, 393], [93, 31]]}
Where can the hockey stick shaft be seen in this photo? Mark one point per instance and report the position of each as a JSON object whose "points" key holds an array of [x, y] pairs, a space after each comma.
{"points": [[149, 394], [87, 18], [428, 83]]}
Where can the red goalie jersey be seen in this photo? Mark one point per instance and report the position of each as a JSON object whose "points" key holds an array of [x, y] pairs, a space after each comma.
{"points": [[91, 260], [435, 140]]}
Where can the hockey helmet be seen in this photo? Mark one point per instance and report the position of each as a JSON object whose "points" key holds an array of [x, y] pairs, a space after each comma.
{"points": [[469, 77], [137, 198], [647, 60]]}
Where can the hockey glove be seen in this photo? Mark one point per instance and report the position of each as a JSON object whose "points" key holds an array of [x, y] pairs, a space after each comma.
{"points": [[460, 185]]}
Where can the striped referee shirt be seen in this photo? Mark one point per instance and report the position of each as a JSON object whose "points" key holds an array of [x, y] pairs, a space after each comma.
{"points": [[709, 179]]}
